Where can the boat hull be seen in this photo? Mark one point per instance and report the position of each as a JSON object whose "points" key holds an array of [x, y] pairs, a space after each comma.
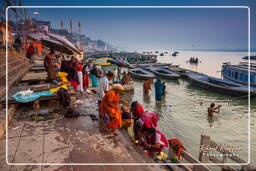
{"points": [[163, 72], [144, 75], [219, 86]]}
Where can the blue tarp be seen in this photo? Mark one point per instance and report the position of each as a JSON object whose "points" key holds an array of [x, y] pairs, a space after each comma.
{"points": [[32, 97]]}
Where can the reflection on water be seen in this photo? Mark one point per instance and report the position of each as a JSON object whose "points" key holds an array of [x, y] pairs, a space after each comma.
{"points": [[211, 120], [146, 98], [183, 111]]}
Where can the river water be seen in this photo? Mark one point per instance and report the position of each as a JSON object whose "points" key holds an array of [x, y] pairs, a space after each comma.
{"points": [[182, 116]]}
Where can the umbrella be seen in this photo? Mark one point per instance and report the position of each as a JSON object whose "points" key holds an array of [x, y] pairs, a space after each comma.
{"points": [[64, 41], [53, 44]]}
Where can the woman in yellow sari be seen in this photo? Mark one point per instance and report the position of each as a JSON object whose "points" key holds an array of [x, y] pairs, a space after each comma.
{"points": [[109, 108]]}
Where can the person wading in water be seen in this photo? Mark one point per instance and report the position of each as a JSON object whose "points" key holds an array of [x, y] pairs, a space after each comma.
{"points": [[212, 109]]}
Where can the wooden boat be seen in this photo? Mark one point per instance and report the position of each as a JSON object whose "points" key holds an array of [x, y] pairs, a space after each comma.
{"points": [[193, 60], [182, 72], [120, 63], [239, 73], [102, 61], [219, 85], [141, 74], [153, 65], [164, 72], [175, 53]]}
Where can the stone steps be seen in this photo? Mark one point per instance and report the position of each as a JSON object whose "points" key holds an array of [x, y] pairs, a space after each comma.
{"points": [[11, 112], [14, 78]]}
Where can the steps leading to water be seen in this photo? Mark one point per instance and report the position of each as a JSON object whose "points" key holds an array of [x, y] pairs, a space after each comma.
{"points": [[18, 65]]}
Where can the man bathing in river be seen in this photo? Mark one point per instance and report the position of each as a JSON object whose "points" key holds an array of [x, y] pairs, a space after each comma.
{"points": [[212, 109]]}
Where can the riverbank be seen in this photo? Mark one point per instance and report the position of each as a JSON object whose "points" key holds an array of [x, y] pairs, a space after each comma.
{"points": [[67, 140]]}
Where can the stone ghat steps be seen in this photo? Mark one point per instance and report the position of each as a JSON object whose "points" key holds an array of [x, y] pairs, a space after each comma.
{"points": [[18, 73], [18, 65], [12, 70], [11, 112], [75, 140]]}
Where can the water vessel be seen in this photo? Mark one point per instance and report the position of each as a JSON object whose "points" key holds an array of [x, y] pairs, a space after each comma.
{"points": [[182, 72], [219, 85], [141, 74], [252, 57], [175, 53], [102, 61], [240, 73], [164, 72]]}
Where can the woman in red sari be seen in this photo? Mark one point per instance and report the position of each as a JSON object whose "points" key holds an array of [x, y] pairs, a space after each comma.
{"points": [[109, 108]]}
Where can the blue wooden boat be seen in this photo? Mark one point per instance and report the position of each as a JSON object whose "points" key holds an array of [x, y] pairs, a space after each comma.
{"points": [[219, 85], [164, 72], [141, 74], [239, 73]]}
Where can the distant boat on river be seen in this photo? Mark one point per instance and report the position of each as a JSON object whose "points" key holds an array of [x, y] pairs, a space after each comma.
{"points": [[193, 60], [252, 57], [175, 53]]}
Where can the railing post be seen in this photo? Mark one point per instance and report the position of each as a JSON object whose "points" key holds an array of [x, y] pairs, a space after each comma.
{"points": [[171, 151], [204, 145], [224, 160]]}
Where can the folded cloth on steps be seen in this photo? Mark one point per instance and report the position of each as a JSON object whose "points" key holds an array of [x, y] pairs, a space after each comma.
{"points": [[31, 97], [24, 93], [54, 90]]}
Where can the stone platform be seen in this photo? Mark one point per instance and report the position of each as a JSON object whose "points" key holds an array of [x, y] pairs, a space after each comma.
{"points": [[76, 140]]}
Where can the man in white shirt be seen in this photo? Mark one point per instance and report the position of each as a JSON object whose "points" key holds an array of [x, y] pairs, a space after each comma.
{"points": [[104, 86]]}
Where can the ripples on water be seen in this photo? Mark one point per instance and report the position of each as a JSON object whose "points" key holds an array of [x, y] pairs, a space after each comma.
{"points": [[182, 116]]}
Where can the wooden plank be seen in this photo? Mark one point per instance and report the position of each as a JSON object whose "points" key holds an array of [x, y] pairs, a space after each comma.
{"points": [[234, 158], [191, 159], [32, 76], [205, 141], [216, 160]]}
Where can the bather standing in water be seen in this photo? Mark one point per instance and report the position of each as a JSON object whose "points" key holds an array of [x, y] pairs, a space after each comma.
{"points": [[212, 109], [147, 86], [158, 89]]}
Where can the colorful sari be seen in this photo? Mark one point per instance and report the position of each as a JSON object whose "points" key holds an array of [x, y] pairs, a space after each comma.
{"points": [[110, 106]]}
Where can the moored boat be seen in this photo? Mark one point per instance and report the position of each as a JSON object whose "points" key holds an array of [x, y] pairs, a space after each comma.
{"points": [[164, 72], [102, 61], [240, 73], [161, 54], [219, 85], [141, 74], [120, 63], [182, 72]]}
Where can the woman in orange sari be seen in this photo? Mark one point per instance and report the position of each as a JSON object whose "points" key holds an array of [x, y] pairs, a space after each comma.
{"points": [[109, 108]]}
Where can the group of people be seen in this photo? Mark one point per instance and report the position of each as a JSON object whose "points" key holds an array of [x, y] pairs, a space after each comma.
{"points": [[76, 74], [193, 60], [32, 49], [160, 88], [112, 117]]}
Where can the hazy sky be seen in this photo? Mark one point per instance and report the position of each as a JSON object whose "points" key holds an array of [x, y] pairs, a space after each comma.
{"points": [[154, 28]]}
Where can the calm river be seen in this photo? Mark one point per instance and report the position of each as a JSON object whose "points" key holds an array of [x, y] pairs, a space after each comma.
{"points": [[182, 116]]}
